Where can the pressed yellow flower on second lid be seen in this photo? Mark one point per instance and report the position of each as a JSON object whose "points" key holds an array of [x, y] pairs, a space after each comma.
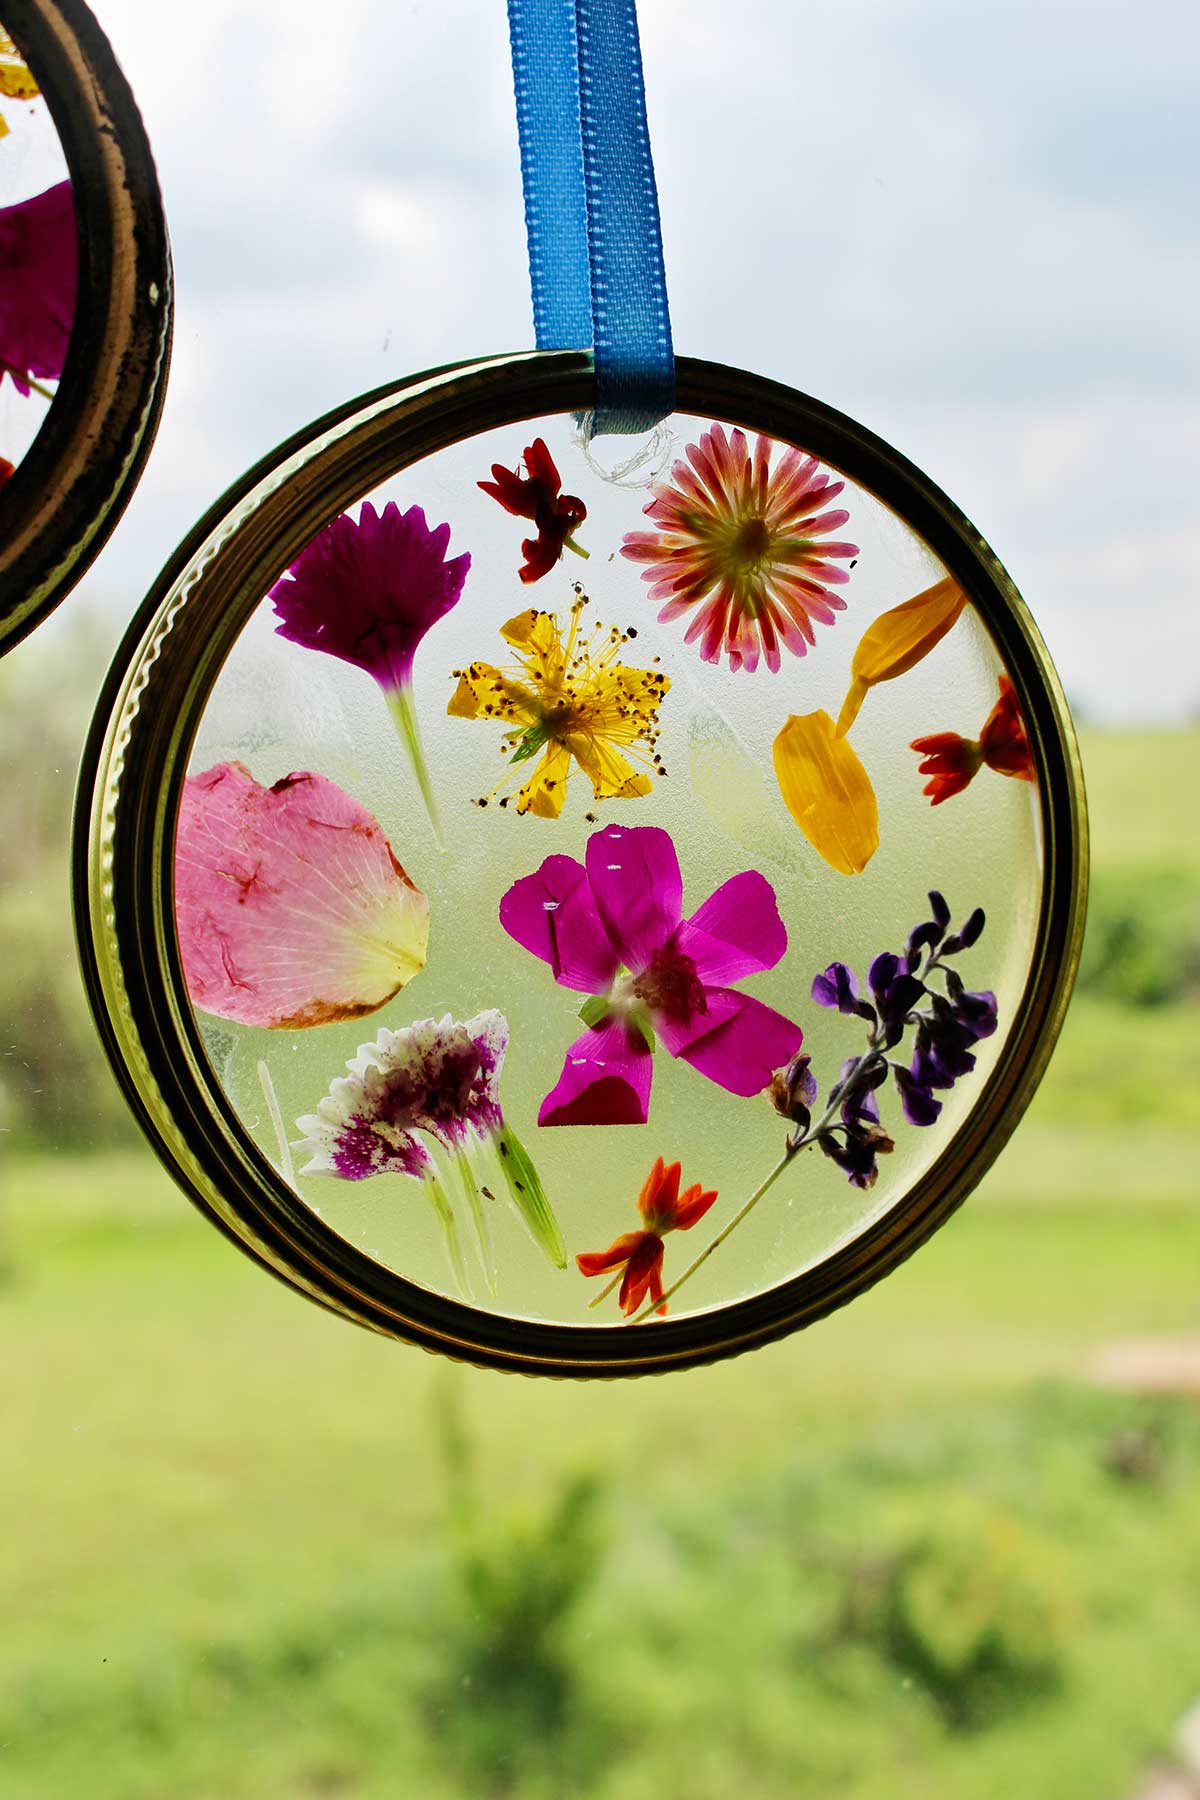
{"points": [[827, 791], [16, 82], [897, 640]]}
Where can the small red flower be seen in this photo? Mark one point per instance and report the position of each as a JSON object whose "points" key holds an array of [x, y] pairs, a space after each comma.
{"points": [[952, 762], [1003, 740], [6, 470], [640, 1253], [538, 496]]}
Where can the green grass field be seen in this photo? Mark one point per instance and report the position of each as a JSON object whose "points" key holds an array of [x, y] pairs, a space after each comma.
{"points": [[252, 1552]]}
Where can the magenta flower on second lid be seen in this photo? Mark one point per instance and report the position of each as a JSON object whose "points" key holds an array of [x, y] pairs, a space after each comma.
{"points": [[38, 277], [367, 590]]}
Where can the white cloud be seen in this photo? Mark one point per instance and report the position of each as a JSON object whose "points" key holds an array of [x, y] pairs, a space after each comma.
{"points": [[964, 224]]}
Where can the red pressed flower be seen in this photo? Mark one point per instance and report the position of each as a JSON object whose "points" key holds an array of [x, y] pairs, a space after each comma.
{"points": [[538, 495], [952, 762], [1004, 740], [640, 1253], [6, 470]]}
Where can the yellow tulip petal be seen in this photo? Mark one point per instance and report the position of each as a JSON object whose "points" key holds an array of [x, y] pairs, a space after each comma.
{"points": [[897, 641], [827, 791]]}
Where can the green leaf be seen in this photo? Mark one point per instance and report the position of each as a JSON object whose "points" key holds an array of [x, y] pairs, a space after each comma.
{"points": [[530, 742], [594, 1010], [529, 1196]]}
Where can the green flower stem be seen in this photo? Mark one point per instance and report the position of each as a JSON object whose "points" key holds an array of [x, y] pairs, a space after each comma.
{"points": [[38, 388], [483, 1234], [570, 544], [652, 1306], [286, 1167], [404, 716], [843, 1091], [444, 1212], [605, 1292], [529, 1196]]}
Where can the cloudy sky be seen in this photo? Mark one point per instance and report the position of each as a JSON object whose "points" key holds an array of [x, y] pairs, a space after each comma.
{"points": [[974, 227]]}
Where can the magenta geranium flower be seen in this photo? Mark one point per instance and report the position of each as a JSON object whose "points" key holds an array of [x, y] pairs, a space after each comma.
{"points": [[367, 590], [615, 930], [291, 908], [38, 275]]}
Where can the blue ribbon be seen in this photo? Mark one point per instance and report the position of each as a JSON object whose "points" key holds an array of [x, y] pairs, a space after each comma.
{"points": [[591, 205]]}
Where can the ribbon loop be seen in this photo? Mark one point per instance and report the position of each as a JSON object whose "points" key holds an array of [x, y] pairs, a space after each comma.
{"points": [[591, 204]]}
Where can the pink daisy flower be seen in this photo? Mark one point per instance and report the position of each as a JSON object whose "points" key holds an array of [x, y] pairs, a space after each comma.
{"points": [[743, 549]]}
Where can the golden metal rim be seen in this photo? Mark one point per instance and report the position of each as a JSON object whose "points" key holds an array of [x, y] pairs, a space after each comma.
{"points": [[130, 787], [70, 489]]}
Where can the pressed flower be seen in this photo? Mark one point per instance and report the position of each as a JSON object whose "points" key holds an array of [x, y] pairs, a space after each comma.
{"points": [[291, 908], [538, 495], [952, 762], [827, 791], [6, 470], [568, 702], [898, 640], [905, 993], [637, 1256], [16, 81], [439, 1080], [615, 931], [367, 590], [743, 549], [38, 257]]}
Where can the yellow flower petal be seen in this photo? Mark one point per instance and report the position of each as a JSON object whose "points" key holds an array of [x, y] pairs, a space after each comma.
{"points": [[546, 789], [484, 693], [611, 776], [897, 640], [16, 82], [572, 699], [827, 791]]}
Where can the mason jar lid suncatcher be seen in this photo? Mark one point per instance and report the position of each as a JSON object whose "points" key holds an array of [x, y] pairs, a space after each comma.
{"points": [[583, 924], [85, 302]]}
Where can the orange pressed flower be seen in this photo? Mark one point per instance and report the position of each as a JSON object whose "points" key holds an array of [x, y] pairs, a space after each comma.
{"points": [[898, 640], [952, 762], [638, 1255]]}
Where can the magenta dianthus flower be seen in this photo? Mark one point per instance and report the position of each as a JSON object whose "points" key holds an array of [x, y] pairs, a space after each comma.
{"points": [[367, 591], [615, 930]]}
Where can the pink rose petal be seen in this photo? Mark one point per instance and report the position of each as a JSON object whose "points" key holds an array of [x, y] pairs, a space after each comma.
{"points": [[290, 906]]}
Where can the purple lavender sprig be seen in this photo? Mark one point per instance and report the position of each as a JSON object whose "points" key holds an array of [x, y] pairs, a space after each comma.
{"points": [[915, 992]]}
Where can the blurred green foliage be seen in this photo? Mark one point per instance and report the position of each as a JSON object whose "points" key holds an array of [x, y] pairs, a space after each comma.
{"points": [[512, 1675], [1142, 946], [55, 1086]]}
